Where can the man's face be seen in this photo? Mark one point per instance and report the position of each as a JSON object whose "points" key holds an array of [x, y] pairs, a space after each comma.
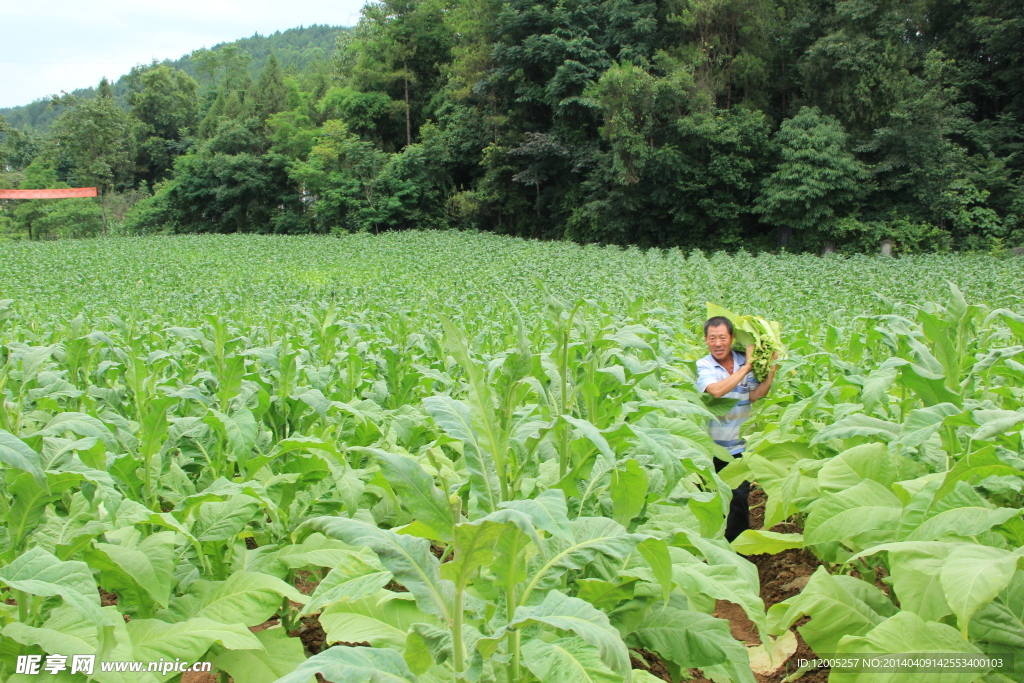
{"points": [[719, 342]]}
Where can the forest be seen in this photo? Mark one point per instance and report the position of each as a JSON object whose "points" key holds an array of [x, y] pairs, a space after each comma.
{"points": [[714, 124]]}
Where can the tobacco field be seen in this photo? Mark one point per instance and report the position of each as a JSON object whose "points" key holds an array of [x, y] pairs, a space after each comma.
{"points": [[464, 457]]}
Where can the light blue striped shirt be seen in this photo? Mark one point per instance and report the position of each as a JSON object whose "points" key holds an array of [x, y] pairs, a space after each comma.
{"points": [[726, 431]]}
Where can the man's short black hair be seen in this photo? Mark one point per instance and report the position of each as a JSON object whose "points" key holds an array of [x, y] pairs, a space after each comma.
{"points": [[718, 321]]}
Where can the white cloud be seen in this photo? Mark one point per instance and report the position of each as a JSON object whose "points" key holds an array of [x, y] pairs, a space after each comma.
{"points": [[46, 47]]}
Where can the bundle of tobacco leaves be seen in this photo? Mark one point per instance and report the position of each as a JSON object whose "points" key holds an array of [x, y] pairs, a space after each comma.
{"points": [[765, 335]]}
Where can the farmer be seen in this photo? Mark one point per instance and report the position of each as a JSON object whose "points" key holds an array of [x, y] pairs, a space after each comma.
{"points": [[725, 373]]}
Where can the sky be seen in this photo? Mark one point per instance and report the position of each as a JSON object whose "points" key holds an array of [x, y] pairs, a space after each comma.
{"points": [[51, 45]]}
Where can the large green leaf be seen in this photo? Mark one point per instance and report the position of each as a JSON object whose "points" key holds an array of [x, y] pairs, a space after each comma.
{"points": [[456, 420], [857, 424], [382, 619], [221, 521], [837, 605], [37, 572], [868, 461], [972, 576], [153, 639], [758, 541], [280, 656], [15, 453], [977, 465], [688, 639], [358, 576], [140, 575], [721, 582], [30, 501], [628, 491], [417, 493], [965, 521], [567, 659], [864, 507], [353, 665], [407, 557], [548, 512], [906, 632], [593, 537], [247, 598], [572, 614]]}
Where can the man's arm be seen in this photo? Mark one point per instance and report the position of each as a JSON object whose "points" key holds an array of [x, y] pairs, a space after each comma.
{"points": [[723, 387]]}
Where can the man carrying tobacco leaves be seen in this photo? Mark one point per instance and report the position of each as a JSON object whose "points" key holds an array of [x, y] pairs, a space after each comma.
{"points": [[725, 373]]}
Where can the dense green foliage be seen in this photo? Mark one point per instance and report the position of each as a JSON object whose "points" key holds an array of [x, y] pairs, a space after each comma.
{"points": [[689, 123], [298, 49], [505, 482]]}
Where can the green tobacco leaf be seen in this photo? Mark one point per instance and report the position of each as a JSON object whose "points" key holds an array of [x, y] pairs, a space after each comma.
{"points": [[417, 493], [30, 501], [915, 569], [426, 645], [927, 386], [141, 575], [80, 424], [1000, 624], [857, 424], [605, 595], [837, 516], [407, 557], [567, 659], [548, 512], [240, 430], [592, 434], [998, 426], [572, 614], [153, 639], [922, 423], [37, 572], [353, 664], [221, 521], [974, 466], [280, 656], [245, 598], [718, 406], [628, 491], [455, 418], [15, 453], [687, 638], [474, 547], [593, 537], [65, 632], [358, 576], [965, 522], [757, 542], [972, 576], [316, 551], [906, 632], [838, 606], [876, 386], [655, 552], [382, 619], [868, 461], [721, 582]]}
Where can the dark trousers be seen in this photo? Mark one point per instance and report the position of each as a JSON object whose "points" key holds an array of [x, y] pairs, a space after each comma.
{"points": [[738, 520]]}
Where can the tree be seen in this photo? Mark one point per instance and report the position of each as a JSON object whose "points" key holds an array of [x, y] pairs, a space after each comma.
{"points": [[96, 135], [818, 182], [165, 103], [269, 95]]}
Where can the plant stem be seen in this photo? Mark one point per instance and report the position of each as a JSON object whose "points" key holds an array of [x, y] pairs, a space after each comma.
{"points": [[458, 646]]}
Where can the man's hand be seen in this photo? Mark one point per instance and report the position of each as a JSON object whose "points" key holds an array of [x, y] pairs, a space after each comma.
{"points": [[749, 355]]}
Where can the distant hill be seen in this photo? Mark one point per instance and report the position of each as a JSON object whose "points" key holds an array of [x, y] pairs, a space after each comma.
{"points": [[296, 49]]}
